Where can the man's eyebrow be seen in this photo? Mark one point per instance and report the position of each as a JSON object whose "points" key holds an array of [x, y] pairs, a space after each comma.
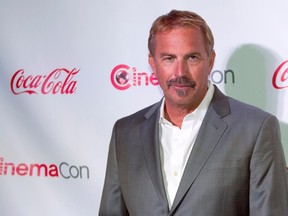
{"points": [[193, 53], [167, 54], [163, 54]]}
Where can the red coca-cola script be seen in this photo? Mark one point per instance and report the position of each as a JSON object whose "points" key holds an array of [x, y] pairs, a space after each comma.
{"points": [[59, 81], [280, 77]]}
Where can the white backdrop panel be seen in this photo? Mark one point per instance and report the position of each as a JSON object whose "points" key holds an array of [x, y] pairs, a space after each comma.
{"points": [[53, 147]]}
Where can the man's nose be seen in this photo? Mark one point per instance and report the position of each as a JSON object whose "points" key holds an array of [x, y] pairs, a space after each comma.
{"points": [[181, 68]]}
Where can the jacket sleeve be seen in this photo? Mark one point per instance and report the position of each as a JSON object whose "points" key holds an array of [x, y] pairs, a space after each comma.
{"points": [[112, 202], [269, 176]]}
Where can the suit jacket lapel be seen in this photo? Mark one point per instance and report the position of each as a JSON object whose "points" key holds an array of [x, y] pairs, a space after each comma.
{"points": [[149, 131], [209, 135]]}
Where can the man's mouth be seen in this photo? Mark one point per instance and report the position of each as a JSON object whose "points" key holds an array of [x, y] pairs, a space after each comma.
{"points": [[181, 82]]}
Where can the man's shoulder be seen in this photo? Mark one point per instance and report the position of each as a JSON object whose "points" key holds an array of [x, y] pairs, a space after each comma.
{"points": [[141, 114], [245, 109], [237, 104], [225, 105]]}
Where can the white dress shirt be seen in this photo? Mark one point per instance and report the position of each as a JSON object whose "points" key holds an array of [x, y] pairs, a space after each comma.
{"points": [[176, 144]]}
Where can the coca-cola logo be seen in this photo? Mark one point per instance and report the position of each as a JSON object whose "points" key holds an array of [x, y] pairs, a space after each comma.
{"points": [[59, 81], [280, 77], [123, 77]]}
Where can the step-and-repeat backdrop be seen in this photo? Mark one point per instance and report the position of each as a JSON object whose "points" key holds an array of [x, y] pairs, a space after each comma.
{"points": [[60, 93]]}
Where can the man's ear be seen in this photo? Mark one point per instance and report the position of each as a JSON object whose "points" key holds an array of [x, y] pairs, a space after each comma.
{"points": [[212, 59], [151, 62]]}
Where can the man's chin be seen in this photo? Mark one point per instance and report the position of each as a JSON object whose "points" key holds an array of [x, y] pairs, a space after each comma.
{"points": [[182, 92]]}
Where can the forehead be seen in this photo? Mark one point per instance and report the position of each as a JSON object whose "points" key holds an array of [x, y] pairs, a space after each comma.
{"points": [[179, 38], [180, 31]]}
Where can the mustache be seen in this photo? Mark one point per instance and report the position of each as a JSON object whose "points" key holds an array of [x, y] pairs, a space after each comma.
{"points": [[181, 81]]}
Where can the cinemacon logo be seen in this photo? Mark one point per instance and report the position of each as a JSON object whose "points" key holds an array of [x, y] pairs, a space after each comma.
{"points": [[62, 170], [280, 76], [59, 81], [123, 77]]}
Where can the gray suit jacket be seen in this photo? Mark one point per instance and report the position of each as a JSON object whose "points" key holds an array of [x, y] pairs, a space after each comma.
{"points": [[236, 168]]}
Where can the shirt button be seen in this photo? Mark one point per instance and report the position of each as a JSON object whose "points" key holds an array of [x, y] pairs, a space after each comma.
{"points": [[175, 173]]}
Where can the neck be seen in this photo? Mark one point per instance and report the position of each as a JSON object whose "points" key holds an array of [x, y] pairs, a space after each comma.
{"points": [[176, 114]]}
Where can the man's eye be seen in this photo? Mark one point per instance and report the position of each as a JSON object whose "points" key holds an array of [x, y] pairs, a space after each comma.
{"points": [[193, 57], [168, 58]]}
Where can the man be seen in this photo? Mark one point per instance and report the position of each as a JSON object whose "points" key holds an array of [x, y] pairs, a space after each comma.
{"points": [[196, 152]]}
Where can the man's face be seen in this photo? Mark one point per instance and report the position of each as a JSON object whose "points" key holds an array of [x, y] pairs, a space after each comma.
{"points": [[182, 66]]}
